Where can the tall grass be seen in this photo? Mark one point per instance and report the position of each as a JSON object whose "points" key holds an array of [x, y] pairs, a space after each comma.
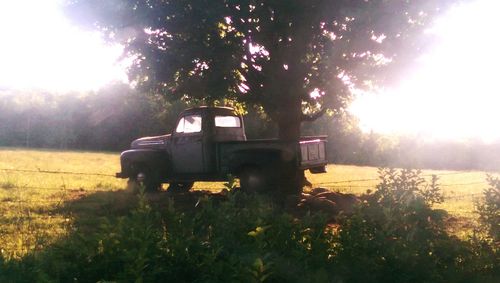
{"points": [[38, 208]]}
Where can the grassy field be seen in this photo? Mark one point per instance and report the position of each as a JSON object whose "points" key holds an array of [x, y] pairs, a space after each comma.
{"points": [[38, 207]]}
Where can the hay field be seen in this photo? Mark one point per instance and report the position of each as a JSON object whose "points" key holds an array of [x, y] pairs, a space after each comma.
{"points": [[38, 207]]}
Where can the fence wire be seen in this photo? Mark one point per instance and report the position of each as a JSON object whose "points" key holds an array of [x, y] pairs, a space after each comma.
{"points": [[56, 172], [342, 184], [61, 201]]}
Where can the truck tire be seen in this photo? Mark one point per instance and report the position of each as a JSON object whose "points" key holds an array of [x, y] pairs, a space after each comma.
{"points": [[146, 177], [180, 187], [254, 180]]}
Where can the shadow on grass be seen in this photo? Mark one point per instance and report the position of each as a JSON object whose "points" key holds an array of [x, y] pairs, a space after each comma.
{"points": [[89, 210], [122, 236], [92, 217]]}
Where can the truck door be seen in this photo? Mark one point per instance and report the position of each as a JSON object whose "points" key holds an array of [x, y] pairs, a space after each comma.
{"points": [[187, 145]]}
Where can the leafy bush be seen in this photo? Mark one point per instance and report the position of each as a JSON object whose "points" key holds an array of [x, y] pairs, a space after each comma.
{"points": [[489, 209], [246, 239], [393, 236], [122, 247]]}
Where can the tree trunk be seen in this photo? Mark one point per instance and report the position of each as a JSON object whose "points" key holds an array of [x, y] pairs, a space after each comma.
{"points": [[291, 178], [289, 120], [289, 128]]}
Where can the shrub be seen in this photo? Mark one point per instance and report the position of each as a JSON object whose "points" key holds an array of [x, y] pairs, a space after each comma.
{"points": [[245, 239], [489, 209], [395, 236]]}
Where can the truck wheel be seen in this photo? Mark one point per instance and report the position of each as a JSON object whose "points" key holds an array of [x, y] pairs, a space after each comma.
{"points": [[253, 179], [147, 178], [180, 187]]}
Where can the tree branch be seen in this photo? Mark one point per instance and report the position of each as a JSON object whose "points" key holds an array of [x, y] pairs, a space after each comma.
{"points": [[313, 117]]}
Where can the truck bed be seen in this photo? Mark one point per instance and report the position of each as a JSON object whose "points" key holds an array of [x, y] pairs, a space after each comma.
{"points": [[309, 152]]}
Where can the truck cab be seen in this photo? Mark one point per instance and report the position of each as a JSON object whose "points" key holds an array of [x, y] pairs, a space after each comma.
{"points": [[193, 142]]}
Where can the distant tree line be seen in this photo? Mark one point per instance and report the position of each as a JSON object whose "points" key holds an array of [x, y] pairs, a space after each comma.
{"points": [[348, 144], [109, 119], [106, 120]]}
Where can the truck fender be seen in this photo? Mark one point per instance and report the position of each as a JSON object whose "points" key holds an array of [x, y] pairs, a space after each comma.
{"points": [[152, 159]]}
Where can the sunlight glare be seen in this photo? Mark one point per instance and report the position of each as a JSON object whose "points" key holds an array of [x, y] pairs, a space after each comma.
{"points": [[41, 50], [454, 93]]}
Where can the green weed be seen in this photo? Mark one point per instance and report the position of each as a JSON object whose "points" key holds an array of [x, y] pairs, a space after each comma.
{"points": [[394, 236], [489, 209]]}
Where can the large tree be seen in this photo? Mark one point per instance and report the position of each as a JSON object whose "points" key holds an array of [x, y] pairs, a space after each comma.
{"points": [[296, 59]]}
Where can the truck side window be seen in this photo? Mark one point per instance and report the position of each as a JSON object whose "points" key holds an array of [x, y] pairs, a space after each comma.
{"points": [[189, 124], [180, 126], [227, 121]]}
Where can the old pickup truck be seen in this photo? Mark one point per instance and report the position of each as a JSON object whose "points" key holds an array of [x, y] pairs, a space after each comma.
{"points": [[208, 144]]}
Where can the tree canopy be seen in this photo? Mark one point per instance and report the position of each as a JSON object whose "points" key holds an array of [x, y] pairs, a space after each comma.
{"points": [[295, 59]]}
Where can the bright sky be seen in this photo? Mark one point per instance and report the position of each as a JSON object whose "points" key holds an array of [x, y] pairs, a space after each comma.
{"points": [[455, 92], [39, 49]]}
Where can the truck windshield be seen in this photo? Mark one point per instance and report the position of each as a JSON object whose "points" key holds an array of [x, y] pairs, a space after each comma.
{"points": [[227, 121]]}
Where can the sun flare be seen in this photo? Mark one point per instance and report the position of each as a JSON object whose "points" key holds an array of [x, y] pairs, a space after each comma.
{"points": [[454, 93], [41, 49]]}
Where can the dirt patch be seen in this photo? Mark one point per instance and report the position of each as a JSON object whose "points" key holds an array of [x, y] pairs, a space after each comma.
{"points": [[456, 225], [332, 204]]}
